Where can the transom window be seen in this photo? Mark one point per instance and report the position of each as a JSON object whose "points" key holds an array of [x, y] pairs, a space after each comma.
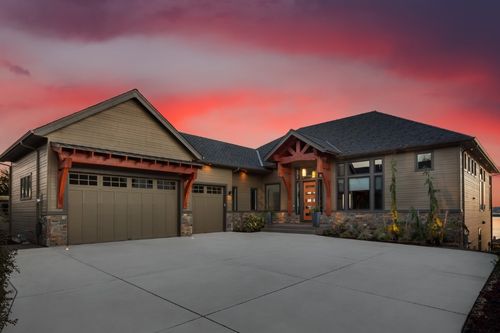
{"points": [[424, 161], [113, 181], [26, 187], [214, 190], [198, 188], [378, 166], [142, 183], [361, 167], [162, 184], [82, 179]]}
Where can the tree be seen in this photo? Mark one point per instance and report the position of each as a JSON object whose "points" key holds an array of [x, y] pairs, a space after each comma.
{"points": [[434, 224], [393, 227], [4, 182], [7, 267]]}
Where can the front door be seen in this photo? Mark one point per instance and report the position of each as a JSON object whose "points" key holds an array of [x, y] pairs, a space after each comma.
{"points": [[309, 190]]}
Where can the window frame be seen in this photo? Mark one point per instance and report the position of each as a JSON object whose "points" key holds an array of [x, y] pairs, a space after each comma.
{"points": [[166, 184], [417, 169], [234, 198], [196, 188], [79, 180], [266, 203], [142, 183], [111, 182], [369, 176], [26, 187], [253, 199]]}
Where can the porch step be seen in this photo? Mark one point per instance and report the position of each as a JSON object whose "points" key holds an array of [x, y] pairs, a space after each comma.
{"points": [[294, 228]]}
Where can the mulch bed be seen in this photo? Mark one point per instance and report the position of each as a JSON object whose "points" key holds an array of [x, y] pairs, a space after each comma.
{"points": [[485, 314]]}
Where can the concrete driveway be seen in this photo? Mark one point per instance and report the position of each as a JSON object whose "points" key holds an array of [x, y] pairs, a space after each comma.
{"points": [[232, 282]]}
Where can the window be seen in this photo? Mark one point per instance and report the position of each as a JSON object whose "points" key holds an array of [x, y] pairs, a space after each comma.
{"points": [[235, 199], [82, 179], [197, 188], [341, 170], [142, 183], [378, 166], [162, 184], [359, 193], [340, 194], [379, 197], [26, 187], [253, 199], [424, 161], [482, 188], [114, 181], [273, 197], [214, 190], [357, 168]]}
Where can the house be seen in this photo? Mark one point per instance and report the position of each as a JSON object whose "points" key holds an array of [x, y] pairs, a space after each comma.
{"points": [[119, 170]]}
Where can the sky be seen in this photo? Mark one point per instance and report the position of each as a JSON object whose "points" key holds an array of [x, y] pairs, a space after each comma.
{"points": [[248, 71]]}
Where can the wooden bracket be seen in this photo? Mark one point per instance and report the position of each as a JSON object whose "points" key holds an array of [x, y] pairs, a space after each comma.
{"points": [[188, 184]]}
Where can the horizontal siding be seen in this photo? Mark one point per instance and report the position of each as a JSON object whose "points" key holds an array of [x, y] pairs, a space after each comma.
{"points": [[126, 127], [411, 189], [474, 216], [245, 181], [24, 211]]}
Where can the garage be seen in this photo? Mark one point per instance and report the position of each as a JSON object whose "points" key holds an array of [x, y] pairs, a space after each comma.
{"points": [[105, 208], [208, 208]]}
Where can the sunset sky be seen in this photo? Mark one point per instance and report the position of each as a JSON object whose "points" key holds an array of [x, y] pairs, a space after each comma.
{"points": [[248, 71]]}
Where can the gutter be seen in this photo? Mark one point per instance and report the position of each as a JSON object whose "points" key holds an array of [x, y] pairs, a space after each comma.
{"points": [[38, 200]]}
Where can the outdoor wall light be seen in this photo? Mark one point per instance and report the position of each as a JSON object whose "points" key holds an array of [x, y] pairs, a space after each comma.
{"points": [[314, 174], [304, 172]]}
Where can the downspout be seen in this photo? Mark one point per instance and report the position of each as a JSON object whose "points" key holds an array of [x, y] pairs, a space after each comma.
{"points": [[38, 201], [462, 186]]}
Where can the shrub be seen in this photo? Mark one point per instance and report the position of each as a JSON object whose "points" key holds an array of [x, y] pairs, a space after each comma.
{"points": [[7, 267], [250, 223]]}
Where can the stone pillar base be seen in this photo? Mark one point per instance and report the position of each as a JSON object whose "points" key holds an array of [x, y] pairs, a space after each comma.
{"points": [[54, 230], [187, 223]]}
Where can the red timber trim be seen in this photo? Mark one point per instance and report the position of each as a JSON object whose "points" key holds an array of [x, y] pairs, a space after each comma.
{"points": [[69, 156], [298, 154], [188, 184], [64, 166], [323, 167], [286, 175]]}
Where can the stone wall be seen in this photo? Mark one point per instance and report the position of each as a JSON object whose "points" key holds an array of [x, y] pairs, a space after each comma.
{"points": [[54, 230], [187, 223]]}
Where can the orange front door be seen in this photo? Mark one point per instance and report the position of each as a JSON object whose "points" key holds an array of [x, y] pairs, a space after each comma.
{"points": [[309, 190]]}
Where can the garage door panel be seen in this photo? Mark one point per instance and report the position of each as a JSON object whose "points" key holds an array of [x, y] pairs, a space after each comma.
{"points": [[134, 216], [90, 216], [110, 210], [75, 206], [106, 216], [120, 216], [171, 214], [159, 216], [147, 215], [208, 211]]}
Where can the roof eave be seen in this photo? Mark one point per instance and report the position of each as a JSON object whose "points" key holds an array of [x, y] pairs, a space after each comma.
{"points": [[300, 137]]}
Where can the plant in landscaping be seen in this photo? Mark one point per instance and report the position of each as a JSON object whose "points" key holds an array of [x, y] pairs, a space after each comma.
{"points": [[435, 227], [250, 223], [7, 267], [418, 228], [4, 182], [393, 228]]}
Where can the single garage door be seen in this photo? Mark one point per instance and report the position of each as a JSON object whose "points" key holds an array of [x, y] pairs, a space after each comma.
{"points": [[208, 208], [105, 208]]}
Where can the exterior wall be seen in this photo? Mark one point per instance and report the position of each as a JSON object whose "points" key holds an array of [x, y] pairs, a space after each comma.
{"points": [[244, 182], [126, 127], [475, 218], [411, 189], [273, 178], [24, 218]]}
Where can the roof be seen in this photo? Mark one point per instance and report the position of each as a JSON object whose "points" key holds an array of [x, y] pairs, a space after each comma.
{"points": [[226, 154], [371, 133], [44, 130]]}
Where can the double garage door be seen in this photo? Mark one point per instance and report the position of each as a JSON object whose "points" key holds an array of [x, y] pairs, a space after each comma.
{"points": [[106, 208]]}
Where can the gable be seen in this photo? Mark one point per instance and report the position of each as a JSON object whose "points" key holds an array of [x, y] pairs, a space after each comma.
{"points": [[126, 127]]}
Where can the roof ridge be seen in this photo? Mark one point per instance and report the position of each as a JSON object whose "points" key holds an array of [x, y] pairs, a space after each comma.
{"points": [[343, 118]]}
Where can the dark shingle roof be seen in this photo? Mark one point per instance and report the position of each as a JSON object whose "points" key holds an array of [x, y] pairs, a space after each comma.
{"points": [[225, 154], [374, 131]]}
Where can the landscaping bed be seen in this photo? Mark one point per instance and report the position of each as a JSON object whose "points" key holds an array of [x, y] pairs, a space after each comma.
{"points": [[485, 314]]}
